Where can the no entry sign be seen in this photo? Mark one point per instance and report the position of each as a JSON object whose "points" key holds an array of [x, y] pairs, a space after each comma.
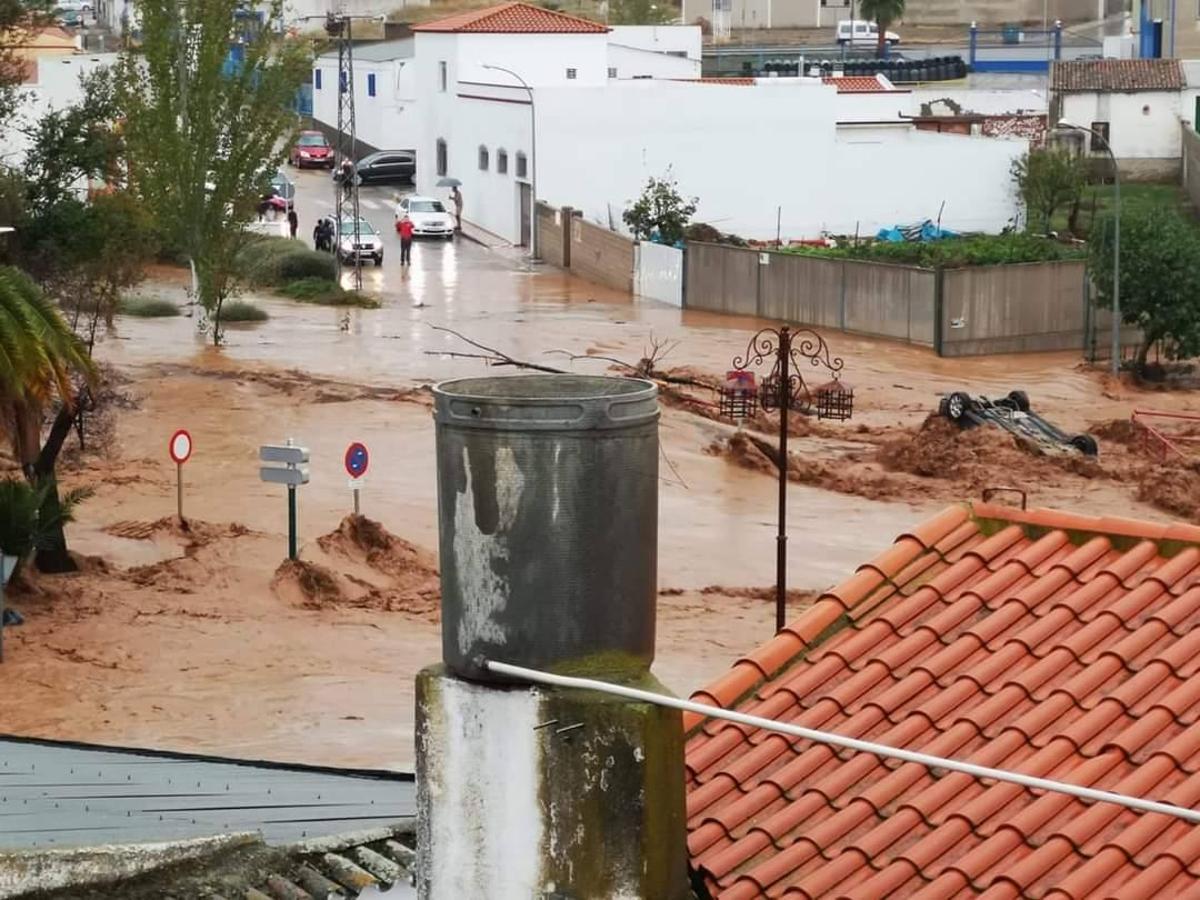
{"points": [[180, 447], [357, 460]]}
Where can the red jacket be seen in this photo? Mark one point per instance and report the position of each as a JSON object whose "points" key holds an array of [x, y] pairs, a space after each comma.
{"points": [[405, 228]]}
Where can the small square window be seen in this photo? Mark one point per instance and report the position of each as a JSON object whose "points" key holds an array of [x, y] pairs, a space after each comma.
{"points": [[522, 166], [316, 79], [483, 158], [371, 84], [571, 73], [502, 162], [612, 71], [443, 76]]}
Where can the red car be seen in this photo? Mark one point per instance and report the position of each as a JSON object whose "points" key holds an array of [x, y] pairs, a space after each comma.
{"points": [[311, 149]]}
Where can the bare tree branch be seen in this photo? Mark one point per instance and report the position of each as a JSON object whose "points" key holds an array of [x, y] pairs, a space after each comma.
{"points": [[491, 355]]}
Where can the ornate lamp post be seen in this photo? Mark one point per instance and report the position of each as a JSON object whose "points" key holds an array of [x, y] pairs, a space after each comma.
{"points": [[784, 389]]}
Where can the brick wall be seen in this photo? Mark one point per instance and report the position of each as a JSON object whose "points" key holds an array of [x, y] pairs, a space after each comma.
{"points": [[589, 251]]}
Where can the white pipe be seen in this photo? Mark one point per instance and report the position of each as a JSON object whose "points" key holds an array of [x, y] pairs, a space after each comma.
{"points": [[825, 737]]}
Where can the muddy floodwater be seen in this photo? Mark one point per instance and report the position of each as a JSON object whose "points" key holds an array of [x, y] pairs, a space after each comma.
{"points": [[199, 640]]}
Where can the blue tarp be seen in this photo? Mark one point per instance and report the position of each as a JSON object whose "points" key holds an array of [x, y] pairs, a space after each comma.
{"points": [[925, 231]]}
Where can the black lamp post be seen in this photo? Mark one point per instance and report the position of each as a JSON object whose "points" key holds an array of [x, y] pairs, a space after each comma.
{"points": [[784, 389]]}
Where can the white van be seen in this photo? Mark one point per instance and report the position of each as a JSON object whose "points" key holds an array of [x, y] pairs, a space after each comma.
{"points": [[866, 34]]}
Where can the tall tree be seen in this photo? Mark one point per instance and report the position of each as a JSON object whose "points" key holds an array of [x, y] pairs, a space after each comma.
{"points": [[1160, 277], [661, 212], [18, 20], [883, 13], [207, 121]]}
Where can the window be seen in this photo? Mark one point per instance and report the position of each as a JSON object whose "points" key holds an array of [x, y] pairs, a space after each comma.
{"points": [[443, 76], [316, 79], [571, 73], [502, 162], [521, 165], [612, 71], [483, 158], [442, 166], [371, 84], [1095, 144]]}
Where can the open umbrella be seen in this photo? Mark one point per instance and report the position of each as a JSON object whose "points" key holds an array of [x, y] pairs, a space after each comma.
{"points": [[449, 182]]}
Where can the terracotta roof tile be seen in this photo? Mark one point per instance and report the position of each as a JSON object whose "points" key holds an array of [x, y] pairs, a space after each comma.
{"points": [[1119, 75], [858, 84], [513, 18], [1039, 641]]}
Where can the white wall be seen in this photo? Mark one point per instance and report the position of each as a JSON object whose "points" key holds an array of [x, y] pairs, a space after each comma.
{"points": [[387, 121], [1143, 125], [685, 39], [653, 51], [981, 101], [57, 88], [540, 59], [629, 62]]}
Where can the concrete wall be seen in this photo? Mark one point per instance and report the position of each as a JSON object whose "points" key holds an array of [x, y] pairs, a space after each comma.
{"points": [[593, 253], [997, 12], [550, 233], [1143, 128], [764, 13], [1010, 309], [958, 312]]}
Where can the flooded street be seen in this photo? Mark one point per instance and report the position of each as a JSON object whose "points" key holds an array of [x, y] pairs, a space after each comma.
{"points": [[193, 641]]}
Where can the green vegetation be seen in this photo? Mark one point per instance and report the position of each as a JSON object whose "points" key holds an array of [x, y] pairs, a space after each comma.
{"points": [[1160, 276], [883, 13], [241, 311], [147, 307], [1097, 201], [326, 293], [660, 212], [277, 261], [953, 253], [25, 525], [1047, 179]]}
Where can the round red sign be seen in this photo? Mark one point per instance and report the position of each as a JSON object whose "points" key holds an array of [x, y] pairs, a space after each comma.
{"points": [[180, 447]]}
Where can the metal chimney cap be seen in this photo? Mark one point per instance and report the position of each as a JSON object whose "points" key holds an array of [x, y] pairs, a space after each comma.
{"points": [[545, 402]]}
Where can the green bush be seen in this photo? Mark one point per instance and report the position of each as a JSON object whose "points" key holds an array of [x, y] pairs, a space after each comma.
{"points": [[326, 293], [276, 261], [954, 253], [148, 307], [241, 311]]}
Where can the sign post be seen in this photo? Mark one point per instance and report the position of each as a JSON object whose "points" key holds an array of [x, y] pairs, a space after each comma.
{"points": [[180, 449], [292, 474], [357, 459]]}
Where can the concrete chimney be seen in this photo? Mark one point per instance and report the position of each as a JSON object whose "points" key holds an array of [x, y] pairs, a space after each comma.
{"points": [[548, 511]]}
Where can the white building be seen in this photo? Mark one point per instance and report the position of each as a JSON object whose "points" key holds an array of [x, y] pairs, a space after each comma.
{"points": [[793, 150], [1137, 104], [384, 95]]}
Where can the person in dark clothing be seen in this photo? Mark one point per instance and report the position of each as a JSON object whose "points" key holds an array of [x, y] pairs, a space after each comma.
{"points": [[405, 229], [293, 222]]}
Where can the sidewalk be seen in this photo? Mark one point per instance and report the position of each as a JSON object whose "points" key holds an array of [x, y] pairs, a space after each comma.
{"points": [[495, 243]]}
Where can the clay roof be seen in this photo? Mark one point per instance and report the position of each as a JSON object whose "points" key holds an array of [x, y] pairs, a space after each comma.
{"points": [[513, 18], [1122, 75], [858, 84], [1042, 642], [740, 81]]}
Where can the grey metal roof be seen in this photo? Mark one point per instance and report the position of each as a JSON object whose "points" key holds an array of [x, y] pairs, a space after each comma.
{"points": [[61, 795], [382, 51]]}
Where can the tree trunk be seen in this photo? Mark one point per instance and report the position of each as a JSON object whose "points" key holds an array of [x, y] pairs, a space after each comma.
{"points": [[879, 51], [55, 558]]}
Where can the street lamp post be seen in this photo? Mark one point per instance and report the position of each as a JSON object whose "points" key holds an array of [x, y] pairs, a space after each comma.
{"points": [[784, 389], [1116, 310], [533, 240]]}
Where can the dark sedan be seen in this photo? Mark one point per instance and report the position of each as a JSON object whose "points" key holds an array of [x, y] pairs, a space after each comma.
{"points": [[387, 165]]}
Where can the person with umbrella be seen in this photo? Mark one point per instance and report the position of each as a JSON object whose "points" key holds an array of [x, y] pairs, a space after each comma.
{"points": [[456, 198]]}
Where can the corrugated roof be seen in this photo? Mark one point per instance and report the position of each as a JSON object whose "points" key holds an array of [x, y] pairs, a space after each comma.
{"points": [[858, 84], [1043, 642], [74, 795], [1120, 75], [513, 18]]}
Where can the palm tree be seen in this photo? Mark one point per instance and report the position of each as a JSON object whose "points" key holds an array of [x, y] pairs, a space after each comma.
{"points": [[884, 13], [39, 356]]}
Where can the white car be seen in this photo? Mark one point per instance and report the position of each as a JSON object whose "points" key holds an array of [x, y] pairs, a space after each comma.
{"points": [[368, 246], [428, 215], [866, 34]]}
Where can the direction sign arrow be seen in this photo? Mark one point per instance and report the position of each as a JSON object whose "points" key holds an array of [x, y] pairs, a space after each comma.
{"points": [[281, 453], [290, 477]]}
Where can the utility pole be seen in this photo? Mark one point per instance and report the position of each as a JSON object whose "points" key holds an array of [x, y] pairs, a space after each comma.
{"points": [[345, 200]]}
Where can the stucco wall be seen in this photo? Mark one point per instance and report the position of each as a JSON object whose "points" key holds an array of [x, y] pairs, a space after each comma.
{"points": [[387, 121], [1142, 125]]}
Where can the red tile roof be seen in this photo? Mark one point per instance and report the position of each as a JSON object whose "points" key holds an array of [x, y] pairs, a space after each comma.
{"points": [[738, 80], [1120, 75], [513, 18], [1042, 642], [858, 84]]}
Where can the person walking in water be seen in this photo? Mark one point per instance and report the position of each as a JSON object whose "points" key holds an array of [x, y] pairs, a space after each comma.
{"points": [[293, 222], [405, 229], [456, 198]]}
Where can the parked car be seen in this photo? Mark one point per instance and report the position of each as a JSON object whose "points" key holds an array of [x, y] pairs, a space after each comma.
{"points": [[311, 149], [69, 18], [284, 189], [429, 216], [369, 244], [387, 165], [865, 34]]}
